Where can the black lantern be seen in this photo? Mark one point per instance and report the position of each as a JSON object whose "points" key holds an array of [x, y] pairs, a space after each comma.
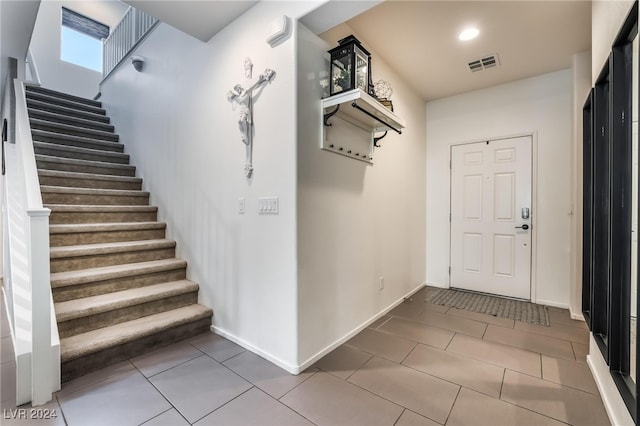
{"points": [[350, 67]]}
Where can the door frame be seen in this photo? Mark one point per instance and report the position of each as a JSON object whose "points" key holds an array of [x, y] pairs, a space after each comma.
{"points": [[534, 202]]}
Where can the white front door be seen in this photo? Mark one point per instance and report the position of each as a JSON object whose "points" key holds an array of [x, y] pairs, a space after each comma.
{"points": [[491, 217]]}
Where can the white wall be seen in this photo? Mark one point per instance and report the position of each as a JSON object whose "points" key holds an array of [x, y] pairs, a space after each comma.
{"points": [[540, 104], [175, 120], [607, 17], [55, 73], [581, 78], [17, 20], [272, 282], [356, 222]]}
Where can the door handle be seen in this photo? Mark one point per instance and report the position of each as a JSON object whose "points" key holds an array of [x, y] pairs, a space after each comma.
{"points": [[525, 227]]}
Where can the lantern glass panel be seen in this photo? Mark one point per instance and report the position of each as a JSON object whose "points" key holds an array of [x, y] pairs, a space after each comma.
{"points": [[362, 71], [341, 69]]}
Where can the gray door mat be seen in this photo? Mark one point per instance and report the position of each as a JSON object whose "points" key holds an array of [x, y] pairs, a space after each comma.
{"points": [[491, 305]]}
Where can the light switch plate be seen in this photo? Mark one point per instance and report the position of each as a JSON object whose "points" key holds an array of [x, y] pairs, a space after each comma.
{"points": [[241, 205], [268, 205]]}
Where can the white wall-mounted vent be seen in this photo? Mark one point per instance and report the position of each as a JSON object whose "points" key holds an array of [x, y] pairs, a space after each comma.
{"points": [[488, 61]]}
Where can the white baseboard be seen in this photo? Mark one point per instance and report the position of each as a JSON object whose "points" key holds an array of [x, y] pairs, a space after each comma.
{"points": [[576, 316], [297, 369], [291, 368], [613, 402], [309, 362], [551, 303]]}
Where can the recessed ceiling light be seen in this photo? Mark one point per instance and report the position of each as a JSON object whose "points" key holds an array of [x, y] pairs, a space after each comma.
{"points": [[468, 34]]}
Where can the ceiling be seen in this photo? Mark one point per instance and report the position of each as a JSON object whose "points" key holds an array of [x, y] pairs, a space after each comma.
{"points": [[419, 40], [201, 19], [416, 38]]}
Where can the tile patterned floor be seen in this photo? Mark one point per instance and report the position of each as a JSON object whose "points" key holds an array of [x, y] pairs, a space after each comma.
{"points": [[421, 364]]}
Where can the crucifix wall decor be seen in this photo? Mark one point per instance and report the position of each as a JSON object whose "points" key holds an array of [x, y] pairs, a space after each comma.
{"points": [[244, 98]]}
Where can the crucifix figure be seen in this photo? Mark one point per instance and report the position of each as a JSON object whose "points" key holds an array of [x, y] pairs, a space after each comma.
{"points": [[244, 99]]}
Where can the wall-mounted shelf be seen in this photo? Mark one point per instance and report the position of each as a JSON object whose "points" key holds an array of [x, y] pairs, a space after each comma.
{"points": [[368, 112], [362, 111]]}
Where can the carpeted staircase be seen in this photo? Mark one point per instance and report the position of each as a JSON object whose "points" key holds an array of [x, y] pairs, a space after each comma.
{"points": [[118, 289]]}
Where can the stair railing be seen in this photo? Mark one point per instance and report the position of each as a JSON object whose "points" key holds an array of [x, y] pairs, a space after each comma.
{"points": [[26, 265], [133, 27], [32, 70]]}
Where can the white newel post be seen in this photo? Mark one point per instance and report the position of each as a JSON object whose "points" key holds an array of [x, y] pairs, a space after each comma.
{"points": [[41, 365]]}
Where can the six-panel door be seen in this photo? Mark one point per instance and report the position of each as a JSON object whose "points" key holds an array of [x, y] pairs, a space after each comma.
{"points": [[491, 217]]}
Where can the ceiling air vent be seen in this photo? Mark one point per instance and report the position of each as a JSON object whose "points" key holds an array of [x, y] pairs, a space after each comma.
{"points": [[475, 66], [489, 61]]}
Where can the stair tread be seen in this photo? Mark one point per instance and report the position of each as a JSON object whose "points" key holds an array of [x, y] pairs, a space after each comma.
{"points": [[82, 276], [105, 248], [71, 128], [39, 89], [79, 150], [66, 102], [104, 227], [81, 139], [99, 208], [66, 111], [53, 159], [96, 340], [74, 135], [89, 176], [81, 122], [92, 191], [93, 305]]}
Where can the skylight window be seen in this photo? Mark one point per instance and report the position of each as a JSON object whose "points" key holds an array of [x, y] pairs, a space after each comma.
{"points": [[81, 40]]}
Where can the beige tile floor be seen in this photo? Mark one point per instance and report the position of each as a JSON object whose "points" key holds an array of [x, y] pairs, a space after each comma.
{"points": [[421, 364]]}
